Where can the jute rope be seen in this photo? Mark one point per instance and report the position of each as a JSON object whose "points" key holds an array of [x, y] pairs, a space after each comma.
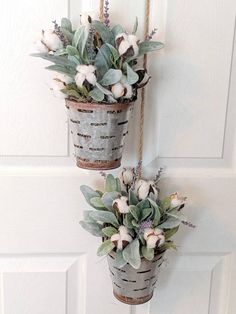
{"points": [[101, 10], [143, 93], [142, 105]]}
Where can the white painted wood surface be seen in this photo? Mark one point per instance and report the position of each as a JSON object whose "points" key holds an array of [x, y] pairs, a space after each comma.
{"points": [[47, 263]]}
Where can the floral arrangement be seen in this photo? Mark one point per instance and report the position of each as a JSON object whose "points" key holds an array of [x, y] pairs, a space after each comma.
{"points": [[131, 218], [96, 62]]}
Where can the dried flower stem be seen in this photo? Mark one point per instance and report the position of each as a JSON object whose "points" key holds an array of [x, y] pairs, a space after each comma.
{"points": [[153, 32], [189, 224], [60, 34]]}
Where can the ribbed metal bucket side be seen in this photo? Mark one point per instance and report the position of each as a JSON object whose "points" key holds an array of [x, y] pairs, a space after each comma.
{"points": [[99, 131], [135, 286]]}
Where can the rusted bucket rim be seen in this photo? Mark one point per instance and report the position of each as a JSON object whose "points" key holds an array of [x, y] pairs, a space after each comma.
{"points": [[87, 106]]}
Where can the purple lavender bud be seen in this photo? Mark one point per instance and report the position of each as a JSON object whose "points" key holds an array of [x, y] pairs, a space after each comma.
{"points": [[145, 225], [106, 14]]}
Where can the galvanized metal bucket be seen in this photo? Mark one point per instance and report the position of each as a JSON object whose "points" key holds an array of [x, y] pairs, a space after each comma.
{"points": [[98, 132], [135, 286]]}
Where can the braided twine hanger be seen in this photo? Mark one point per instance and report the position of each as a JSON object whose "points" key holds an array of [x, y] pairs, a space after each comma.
{"points": [[143, 93]]}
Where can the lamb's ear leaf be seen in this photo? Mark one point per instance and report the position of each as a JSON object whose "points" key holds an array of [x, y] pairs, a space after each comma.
{"points": [[135, 28], [96, 94], [157, 213], [169, 233], [88, 193], [147, 253], [133, 200], [109, 231], [146, 213], [132, 76], [170, 223], [119, 259], [135, 212], [111, 77], [108, 199], [67, 34], [103, 90], [117, 29], [114, 52], [105, 248], [105, 217], [66, 24], [105, 33], [80, 39], [92, 227], [131, 254], [103, 61], [97, 203], [111, 184], [148, 46]]}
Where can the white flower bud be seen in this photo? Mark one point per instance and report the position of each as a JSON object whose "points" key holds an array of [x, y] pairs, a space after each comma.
{"points": [[122, 238], [177, 200], [121, 204]]}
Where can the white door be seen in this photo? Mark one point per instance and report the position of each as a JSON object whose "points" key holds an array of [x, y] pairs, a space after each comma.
{"points": [[48, 265]]}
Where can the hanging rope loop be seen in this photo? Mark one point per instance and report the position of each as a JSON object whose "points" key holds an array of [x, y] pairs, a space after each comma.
{"points": [[143, 93], [101, 10], [142, 105]]}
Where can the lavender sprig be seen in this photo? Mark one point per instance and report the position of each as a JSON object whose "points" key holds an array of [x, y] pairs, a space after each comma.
{"points": [[145, 225], [153, 32], [136, 174], [103, 174], [106, 14], [189, 224], [90, 43], [59, 33]]}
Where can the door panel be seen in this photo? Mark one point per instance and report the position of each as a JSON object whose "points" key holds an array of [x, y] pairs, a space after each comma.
{"points": [[48, 264]]}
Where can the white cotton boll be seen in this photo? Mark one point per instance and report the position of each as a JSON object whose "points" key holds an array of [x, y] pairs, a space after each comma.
{"points": [[115, 237], [91, 78], [41, 47], [51, 40], [152, 241], [161, 240], [123, 230], [64, 78], [122, 238], [123, 47], [79, 79], [117, 90], [121, 204], [148, 232], [133, 40], [84, 17], [153, 189], [142, 188], [91, 68], [56, 86], [82, 68], [129, 91], [126, 177]]}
